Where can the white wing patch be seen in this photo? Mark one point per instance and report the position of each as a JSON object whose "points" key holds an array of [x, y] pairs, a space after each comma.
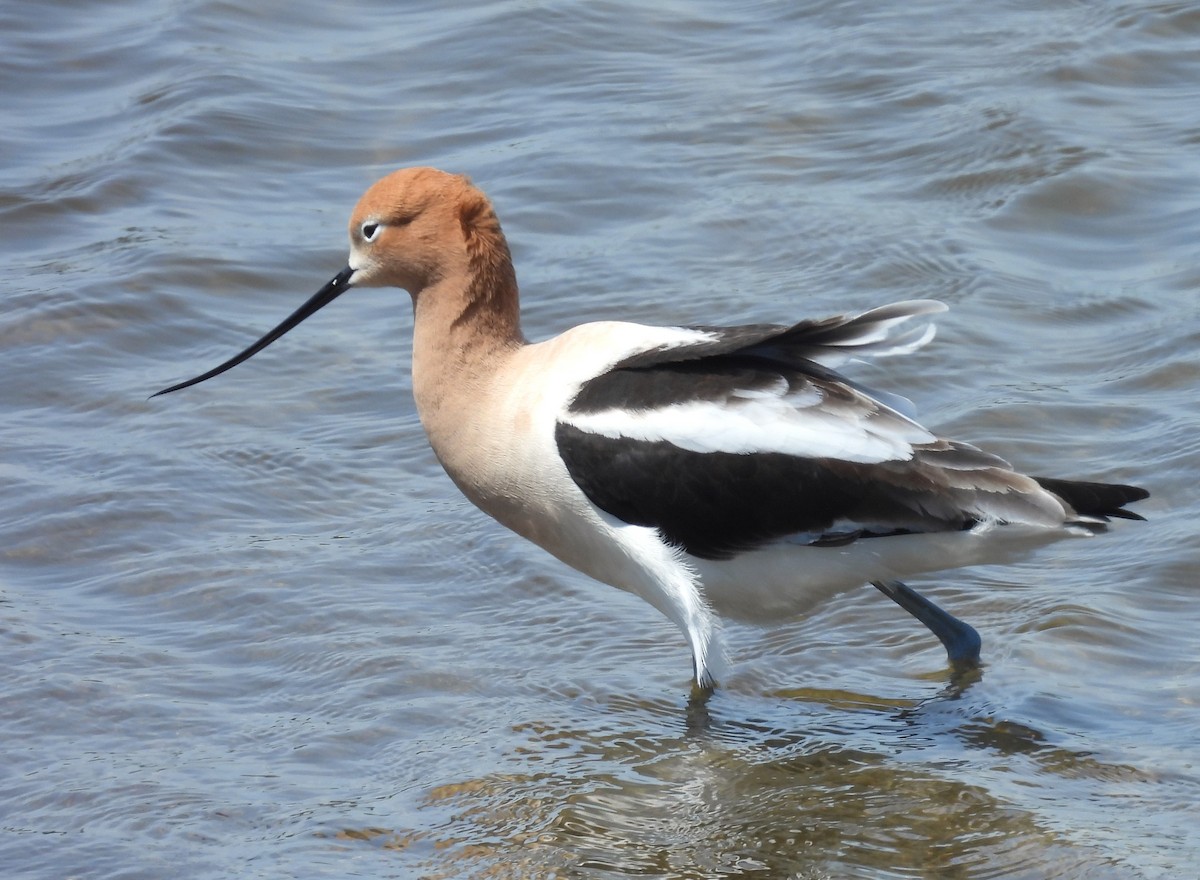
{"points": [[799, 423], [881, 333]]}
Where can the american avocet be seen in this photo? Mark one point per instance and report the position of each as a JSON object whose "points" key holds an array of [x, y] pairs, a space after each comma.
{"points": [[713, 471]]}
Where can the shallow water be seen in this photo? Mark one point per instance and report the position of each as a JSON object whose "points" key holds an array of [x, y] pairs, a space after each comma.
{"points": [[252, 629]]}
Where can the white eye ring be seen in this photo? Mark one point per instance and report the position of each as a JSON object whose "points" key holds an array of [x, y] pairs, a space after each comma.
{"points": [[370, 230]]}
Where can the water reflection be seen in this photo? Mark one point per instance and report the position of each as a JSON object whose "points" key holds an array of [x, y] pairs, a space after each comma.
{"points": [[832, 784]]}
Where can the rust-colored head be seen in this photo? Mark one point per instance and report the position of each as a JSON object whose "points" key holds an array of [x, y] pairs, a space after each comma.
{"points": [[413, 229], [408, 229]]}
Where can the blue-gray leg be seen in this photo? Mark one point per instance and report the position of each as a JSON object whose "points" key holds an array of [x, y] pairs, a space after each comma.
{"points": [[959, 638]]}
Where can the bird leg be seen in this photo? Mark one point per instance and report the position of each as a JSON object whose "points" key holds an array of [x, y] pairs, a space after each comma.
{"points": [[959, 638]]}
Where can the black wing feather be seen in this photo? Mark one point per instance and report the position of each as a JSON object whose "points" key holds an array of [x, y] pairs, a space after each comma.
{"points": [[717, 504]]}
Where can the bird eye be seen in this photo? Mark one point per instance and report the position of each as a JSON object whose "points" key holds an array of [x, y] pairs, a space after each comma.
{"points": [[370, 229]]}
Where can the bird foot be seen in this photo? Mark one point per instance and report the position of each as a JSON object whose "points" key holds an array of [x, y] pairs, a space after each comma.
{"points": [[959, 638]]}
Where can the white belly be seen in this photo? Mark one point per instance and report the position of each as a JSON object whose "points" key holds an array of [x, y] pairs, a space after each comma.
{"points": [[783, 580]]}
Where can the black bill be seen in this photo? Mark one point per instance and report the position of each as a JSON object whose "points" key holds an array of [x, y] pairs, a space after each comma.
{"points": [[323, 297]]}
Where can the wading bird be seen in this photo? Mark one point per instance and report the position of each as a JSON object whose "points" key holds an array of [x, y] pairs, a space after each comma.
{"points": [[713, 471]]}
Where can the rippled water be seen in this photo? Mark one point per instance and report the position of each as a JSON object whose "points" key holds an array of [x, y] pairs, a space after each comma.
{"points": [[251, 630]]}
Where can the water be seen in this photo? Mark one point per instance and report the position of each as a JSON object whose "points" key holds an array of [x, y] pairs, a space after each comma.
{"points": [[251, 630]]}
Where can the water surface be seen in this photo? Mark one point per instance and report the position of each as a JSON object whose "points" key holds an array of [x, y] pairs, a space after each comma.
{"points": [[252, 630]]}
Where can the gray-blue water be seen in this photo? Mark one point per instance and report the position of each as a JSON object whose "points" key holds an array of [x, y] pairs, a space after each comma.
{"points": [[252, 630]]}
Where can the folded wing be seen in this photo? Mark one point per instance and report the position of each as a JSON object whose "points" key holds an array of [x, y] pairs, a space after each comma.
{"points": [[748, 437]]}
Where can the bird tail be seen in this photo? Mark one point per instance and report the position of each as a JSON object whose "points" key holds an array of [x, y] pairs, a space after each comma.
{"points": [[1095, 502]]}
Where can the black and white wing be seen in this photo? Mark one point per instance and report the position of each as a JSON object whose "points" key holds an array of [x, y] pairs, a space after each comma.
{"points": [[749, 437]]}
